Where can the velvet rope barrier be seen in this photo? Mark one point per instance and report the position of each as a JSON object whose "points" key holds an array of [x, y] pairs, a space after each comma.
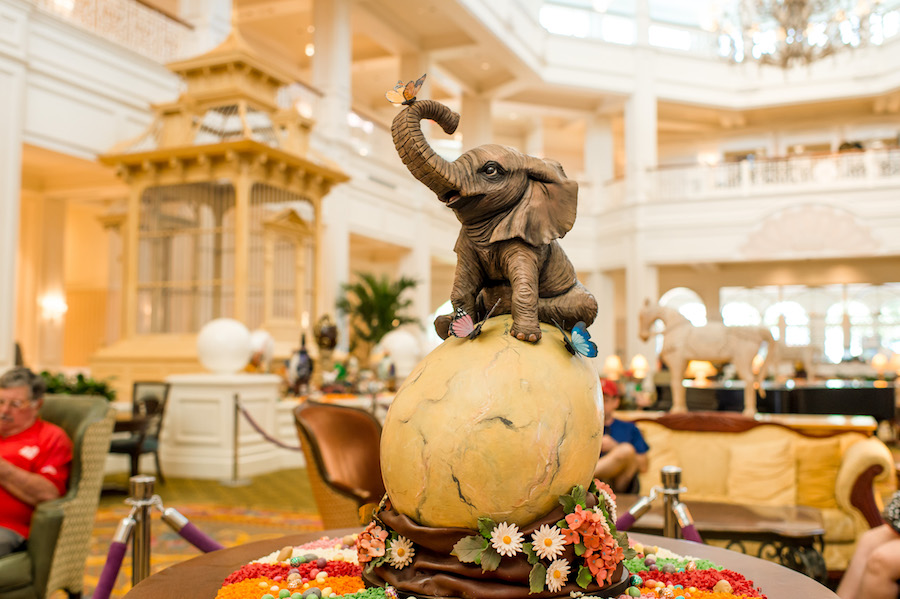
{"points": [[259, 429], [114, 557], [188, 531], [690, 534]]}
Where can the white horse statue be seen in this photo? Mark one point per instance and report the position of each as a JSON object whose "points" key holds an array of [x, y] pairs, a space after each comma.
{"points": [[715, 342]]}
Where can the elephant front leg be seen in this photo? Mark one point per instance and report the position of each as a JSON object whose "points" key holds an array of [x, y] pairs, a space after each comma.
{"points": [[467, 281], [523, 278]]}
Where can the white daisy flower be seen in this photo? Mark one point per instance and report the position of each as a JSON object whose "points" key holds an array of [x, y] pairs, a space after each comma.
{"points": [[548, 542], [557, 574], [401, 552], [506, 539]]}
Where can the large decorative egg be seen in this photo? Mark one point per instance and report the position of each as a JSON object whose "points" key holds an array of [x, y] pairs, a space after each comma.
{"points": [[493, 427]]}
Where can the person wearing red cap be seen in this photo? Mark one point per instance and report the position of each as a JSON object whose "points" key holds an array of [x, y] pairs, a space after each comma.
{"points": [[624, 452]]}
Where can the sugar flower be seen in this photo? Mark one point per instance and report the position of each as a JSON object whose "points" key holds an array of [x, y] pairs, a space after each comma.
{"points": [[370, 543], [548, 542], [401, 552], [557, 574], [506, 539]]}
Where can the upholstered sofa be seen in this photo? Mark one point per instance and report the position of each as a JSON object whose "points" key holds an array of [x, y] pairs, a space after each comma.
{"points": [[728, 458]]}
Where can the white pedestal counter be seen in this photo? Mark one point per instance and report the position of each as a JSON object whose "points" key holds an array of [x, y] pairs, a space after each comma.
{"points": [[198, 435]]}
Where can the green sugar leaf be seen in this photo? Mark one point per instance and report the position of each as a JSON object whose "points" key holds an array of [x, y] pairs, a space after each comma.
{"points": [[528, 548], [580, 496], [486, 526], [537, 578], [490, 559], [468, 550], [584, 577]]}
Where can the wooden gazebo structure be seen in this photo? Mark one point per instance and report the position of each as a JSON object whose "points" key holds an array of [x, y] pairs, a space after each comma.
{"points": [[224, 214]]}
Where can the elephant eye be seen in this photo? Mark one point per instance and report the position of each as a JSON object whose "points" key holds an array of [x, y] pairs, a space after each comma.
{"points": [[492, 169]]}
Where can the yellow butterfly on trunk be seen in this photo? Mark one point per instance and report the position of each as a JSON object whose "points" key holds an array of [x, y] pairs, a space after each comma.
{"points": [[404, 95]]}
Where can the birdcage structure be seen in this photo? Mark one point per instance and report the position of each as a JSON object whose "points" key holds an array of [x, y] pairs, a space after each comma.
{"points": [[224, 209]]}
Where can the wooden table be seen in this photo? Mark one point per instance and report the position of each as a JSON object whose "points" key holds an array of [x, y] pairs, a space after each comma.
{"points": [[792, 534], [201, 577]]}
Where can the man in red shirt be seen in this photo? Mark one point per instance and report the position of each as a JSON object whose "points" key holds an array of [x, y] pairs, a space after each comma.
{"points": [[34, 456]]}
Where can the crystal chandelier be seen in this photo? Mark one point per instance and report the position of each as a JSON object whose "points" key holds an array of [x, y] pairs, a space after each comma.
{"points": [[790, 32]]}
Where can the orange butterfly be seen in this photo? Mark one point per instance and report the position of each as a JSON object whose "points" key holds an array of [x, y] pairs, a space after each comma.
{"points": [[404, 95]]}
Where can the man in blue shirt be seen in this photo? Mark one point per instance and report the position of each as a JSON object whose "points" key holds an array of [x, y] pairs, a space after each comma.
{"points": [[624, 452]]}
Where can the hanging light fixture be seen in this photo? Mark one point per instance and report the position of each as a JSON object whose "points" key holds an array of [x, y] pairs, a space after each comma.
{"points": [[785, 33]]}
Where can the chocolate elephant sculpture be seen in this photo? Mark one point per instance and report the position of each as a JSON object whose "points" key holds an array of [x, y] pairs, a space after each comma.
{"points": [[512, 208]]}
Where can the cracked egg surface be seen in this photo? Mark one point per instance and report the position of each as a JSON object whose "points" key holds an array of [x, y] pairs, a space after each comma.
{"points": [[492, 426]]}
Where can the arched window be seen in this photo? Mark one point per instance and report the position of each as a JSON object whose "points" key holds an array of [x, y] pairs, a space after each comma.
{"points": [[796, 322], [687, 302], [740, 314]]}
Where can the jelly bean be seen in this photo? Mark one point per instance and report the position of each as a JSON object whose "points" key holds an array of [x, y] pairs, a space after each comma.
{"points": [[313, 592], [297, 596], [327, 592], [633, 592], [296, 561], [267, 596], [348, 540], [636, 580], [263, 585], [278, 578], [653, 567], [310, 557], [283, 593], [321, 563]]}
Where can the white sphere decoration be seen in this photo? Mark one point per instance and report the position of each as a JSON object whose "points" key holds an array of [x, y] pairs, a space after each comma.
{"points": [[262, 341], [223, 346]]}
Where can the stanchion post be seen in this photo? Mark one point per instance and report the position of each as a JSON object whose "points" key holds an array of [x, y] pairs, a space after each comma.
{"points": [[141, 490], [234, 481], [671, 482]]}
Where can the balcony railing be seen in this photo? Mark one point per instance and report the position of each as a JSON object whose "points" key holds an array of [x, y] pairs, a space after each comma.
{"points": [[130, 23], [871, 168]]}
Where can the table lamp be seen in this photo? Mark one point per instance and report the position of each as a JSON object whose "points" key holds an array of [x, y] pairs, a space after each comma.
{"points": [[700, 370], [612, 367]]}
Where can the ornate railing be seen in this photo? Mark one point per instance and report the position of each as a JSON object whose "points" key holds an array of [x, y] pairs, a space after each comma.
{"points": [[130, 23], [852, 169]]}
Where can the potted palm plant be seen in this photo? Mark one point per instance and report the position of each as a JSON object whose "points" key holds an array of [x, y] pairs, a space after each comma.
{"points": [[375, 307]]}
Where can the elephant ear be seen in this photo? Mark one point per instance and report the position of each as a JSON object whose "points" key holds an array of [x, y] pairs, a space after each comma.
{"points": [[547, 208]]}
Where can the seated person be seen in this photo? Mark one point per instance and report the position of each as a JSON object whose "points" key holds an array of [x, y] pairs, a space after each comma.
{"points": [[875, 567], [34, 456], [624, 452]]}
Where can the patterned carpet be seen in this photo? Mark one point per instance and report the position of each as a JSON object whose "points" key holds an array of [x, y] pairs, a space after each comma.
{"points": [[273, 505]]}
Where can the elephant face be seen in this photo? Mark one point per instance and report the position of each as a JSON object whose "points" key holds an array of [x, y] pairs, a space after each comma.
{"points": [[522, 196]]}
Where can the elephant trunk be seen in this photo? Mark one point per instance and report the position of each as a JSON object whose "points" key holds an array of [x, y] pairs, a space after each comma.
{"points": [[441, 177]]}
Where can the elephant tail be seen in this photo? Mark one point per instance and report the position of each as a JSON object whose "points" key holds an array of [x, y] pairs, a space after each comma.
{"points": [[422, 161]]}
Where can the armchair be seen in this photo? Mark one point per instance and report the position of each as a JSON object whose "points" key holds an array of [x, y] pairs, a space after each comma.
{"points": [[340, 445], [57, 547]]}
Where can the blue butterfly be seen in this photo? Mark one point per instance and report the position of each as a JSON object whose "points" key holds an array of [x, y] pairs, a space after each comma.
{"points": [[581, 340]]}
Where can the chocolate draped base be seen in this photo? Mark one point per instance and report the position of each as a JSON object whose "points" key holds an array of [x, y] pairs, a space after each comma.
{"points": [[435, 573]]}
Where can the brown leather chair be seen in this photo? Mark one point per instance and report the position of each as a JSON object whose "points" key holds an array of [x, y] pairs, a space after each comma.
{"points": [[341, 447]]}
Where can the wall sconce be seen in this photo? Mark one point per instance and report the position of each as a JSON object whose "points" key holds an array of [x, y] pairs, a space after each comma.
{"points": [[639, 366], [53, 306], [612, 367], [699, 370]]}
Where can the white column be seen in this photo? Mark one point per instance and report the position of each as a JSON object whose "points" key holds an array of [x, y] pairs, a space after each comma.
{"points": [[475, 121], [640, 114], [331, 67], [599, 159], [12, 118], [603, 331], [417, 265], [641, 283], [337, 252]]}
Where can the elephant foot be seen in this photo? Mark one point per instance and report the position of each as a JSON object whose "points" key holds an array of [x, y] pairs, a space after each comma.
{"points": [[530, 334], [442, 325], [677, 409], [749, 412]]}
